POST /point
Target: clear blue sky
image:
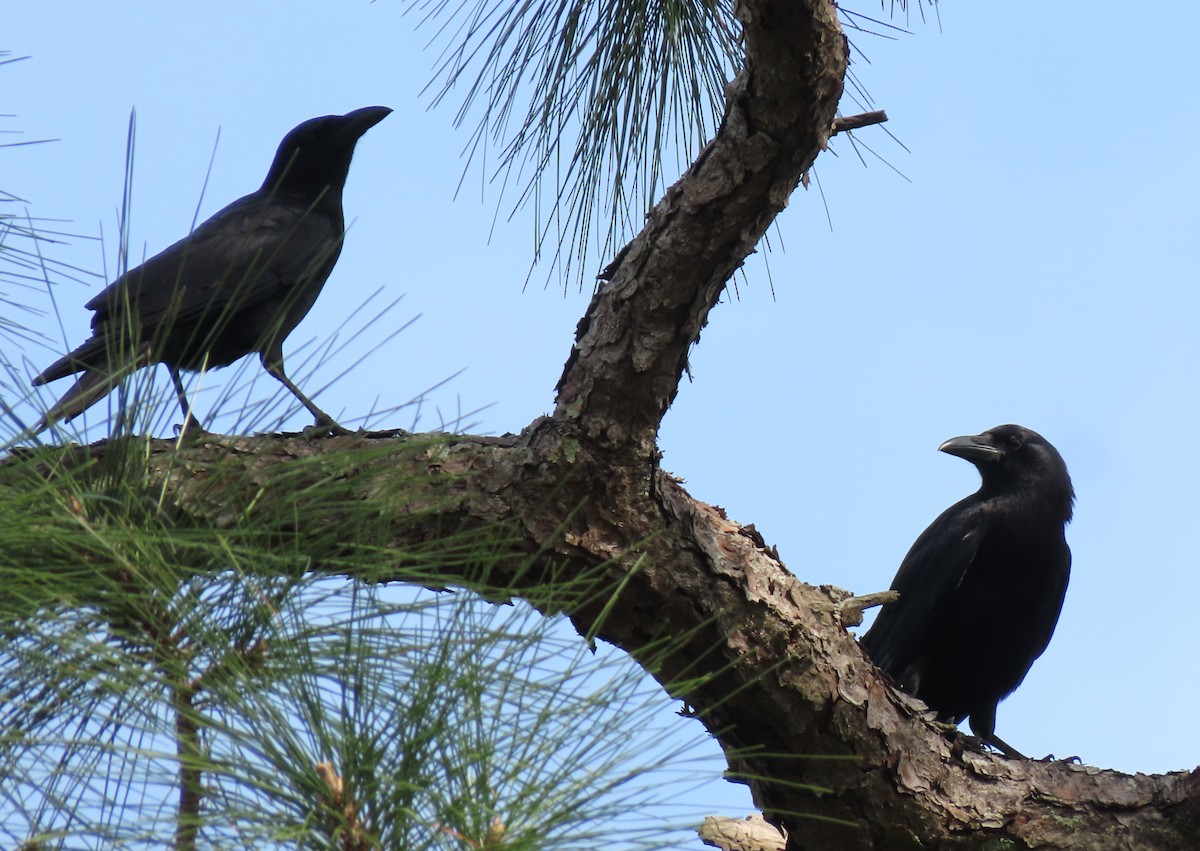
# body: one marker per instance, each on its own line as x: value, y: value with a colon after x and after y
x: 1034, y: 268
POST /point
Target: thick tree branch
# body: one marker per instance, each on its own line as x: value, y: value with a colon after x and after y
x: 777, y: 678
x: 631, y: 347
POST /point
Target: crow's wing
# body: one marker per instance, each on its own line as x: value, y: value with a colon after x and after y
x: 242, y: 255
x: 1045, y: 607
x: 935, y: 565
x: 245, y: 254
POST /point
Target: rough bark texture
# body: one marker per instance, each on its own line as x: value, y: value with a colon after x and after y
x: 784, y: 678
x: 781, y: 680
x: 631, y: 346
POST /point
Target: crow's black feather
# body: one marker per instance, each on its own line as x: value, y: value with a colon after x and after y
x: 981, y: 589
x: 239, y: 283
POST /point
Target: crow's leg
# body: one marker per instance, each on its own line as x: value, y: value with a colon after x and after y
x: 273, y: 363
x: 191, y: 425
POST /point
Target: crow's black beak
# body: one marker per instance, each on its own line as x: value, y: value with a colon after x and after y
x: 974, y: 448
x: 361, y: 120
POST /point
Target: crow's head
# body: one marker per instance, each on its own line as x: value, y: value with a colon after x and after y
x: 314, y: 158
x: 1012, y: 458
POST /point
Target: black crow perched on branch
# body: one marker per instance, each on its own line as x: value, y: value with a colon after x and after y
x: 982, y: 587
x: 239, y: 283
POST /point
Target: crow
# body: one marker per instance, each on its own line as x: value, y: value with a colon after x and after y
x: 239, y: 283
x: 982, y: 587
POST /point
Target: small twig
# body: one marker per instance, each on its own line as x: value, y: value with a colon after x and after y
x: 853, y: 122
x: 493, y: 838
x: 353, y: 833
x: 850, y: 610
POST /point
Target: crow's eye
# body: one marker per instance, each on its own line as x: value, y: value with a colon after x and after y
x: 1014, y: 442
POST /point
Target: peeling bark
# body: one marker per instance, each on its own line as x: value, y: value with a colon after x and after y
x: 781, y: 683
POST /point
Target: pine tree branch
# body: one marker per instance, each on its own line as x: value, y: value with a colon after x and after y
x: 631, y: 348
x: 771, y: 669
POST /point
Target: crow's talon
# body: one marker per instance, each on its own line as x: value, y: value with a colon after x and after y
x: 1074, y: 760
x: 325, y: 428
x: 190, y: 430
